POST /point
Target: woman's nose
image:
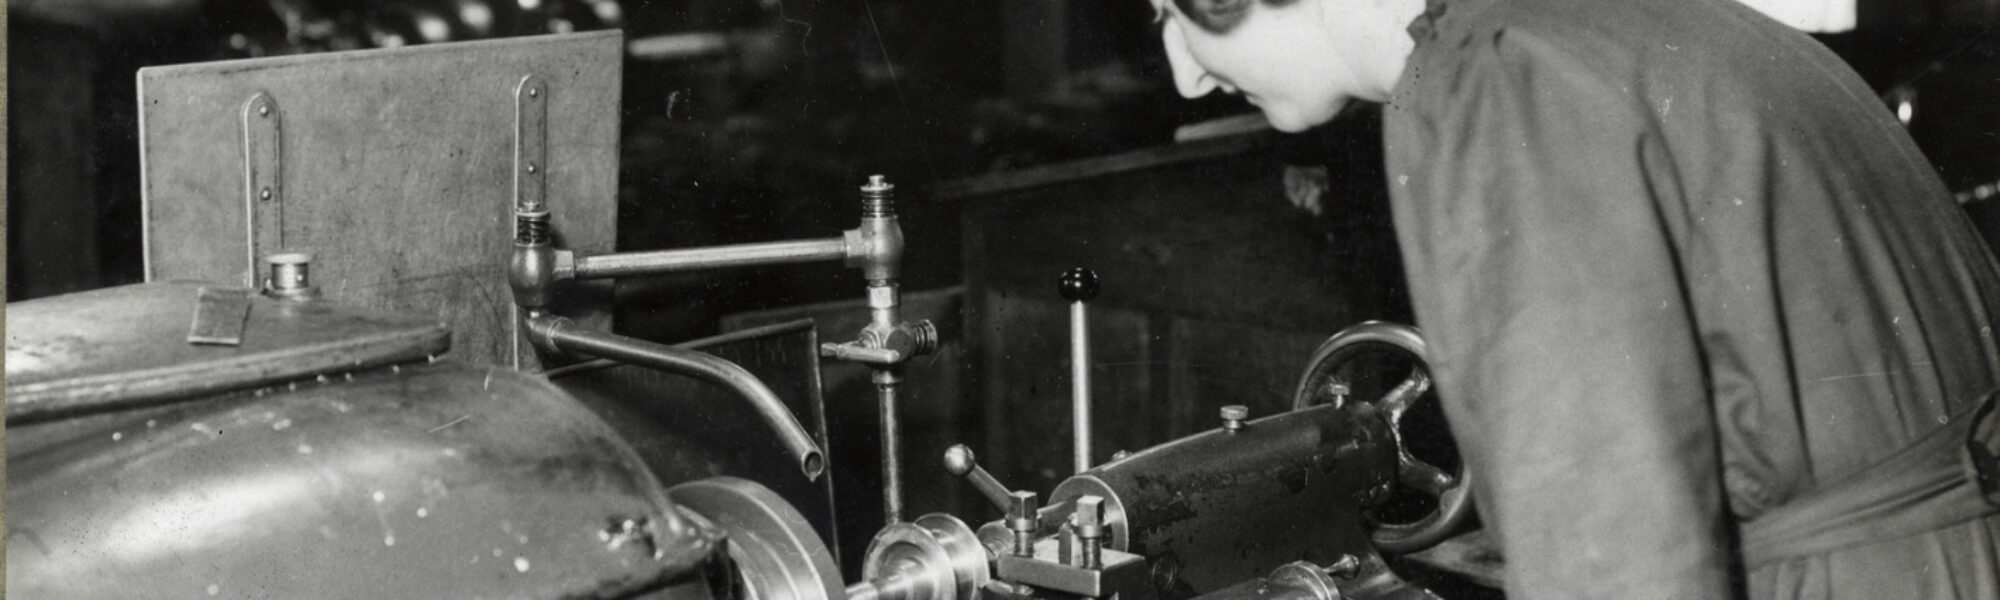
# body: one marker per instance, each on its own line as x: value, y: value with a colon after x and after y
x: 1192, y: 80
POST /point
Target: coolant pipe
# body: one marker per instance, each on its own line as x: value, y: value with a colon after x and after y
x: 562, y: 334
x: 627, y: 264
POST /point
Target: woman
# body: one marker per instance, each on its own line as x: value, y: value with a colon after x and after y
x: 1706, y: 323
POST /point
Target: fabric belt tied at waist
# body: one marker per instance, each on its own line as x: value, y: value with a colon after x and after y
x: 1948, y: 477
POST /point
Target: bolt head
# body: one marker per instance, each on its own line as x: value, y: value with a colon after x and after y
x: 958, y: 460
x: 1235, y: 412
x: 1089, y: 513
x: 1022, y: 506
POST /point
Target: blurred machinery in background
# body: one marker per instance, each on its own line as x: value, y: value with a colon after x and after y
x: 262, y: 421
x: 275, y: 27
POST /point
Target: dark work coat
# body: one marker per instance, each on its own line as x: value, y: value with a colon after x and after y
x: 1682, y: 272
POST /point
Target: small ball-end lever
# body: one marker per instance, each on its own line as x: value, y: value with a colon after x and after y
x: 1078, y: 286
x: 958, y: 461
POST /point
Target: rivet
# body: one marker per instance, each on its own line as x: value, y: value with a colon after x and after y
x: 534, y: 92
x: 532, y: 168
x: 263, y: 110
x: 264, y: 194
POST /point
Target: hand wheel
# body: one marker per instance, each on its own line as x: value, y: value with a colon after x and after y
x: 1326, y: 380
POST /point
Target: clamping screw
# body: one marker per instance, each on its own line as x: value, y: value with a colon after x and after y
x: 1023, y: 518
x: 1090, y: 530
x: 1233, y: 417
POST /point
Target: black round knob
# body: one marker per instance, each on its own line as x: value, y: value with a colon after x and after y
x: 1078, y: 284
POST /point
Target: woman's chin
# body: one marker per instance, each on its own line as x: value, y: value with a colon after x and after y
x: 1287, y: 122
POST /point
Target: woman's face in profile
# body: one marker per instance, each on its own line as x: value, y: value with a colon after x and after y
x: 1286, y: 60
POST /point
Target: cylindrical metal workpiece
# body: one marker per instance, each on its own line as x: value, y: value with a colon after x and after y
x: 865, y: 590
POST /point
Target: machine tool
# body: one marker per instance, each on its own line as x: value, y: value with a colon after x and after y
x: 188, y: 439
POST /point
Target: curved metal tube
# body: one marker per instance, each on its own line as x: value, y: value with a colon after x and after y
x: 560, y: 333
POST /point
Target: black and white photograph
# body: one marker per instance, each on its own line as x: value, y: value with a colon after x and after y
x: 1001, y: 299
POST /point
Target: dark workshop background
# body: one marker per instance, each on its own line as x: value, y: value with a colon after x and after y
x: 765, y: 137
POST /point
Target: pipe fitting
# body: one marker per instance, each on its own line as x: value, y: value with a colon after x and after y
x: 907, y: 339
x: 876, y: 247
x: 542, y: 331
x: 531, y: 271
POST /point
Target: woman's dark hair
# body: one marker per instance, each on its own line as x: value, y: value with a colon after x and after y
x: 1220, y: 16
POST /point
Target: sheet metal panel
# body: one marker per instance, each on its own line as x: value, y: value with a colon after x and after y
x: 397, y: 170
x: 128, y: 346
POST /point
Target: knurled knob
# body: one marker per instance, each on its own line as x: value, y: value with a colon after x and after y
x: 1078, y: 285
x: 1234, y: 415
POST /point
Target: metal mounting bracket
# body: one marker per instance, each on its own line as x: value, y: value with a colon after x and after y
x: 531, y: 160
x: 531, y: 170
x: 263, y: 183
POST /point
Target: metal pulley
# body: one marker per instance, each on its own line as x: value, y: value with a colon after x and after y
x: 775, y: 551
x: 936, y: 557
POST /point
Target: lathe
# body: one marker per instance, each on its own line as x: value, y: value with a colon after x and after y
x: 283, y: 435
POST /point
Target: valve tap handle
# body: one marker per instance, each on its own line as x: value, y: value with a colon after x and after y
x: 958, y: 460
x: 1078, y: 286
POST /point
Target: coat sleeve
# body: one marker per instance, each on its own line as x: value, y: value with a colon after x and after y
x: 1544, y: 271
